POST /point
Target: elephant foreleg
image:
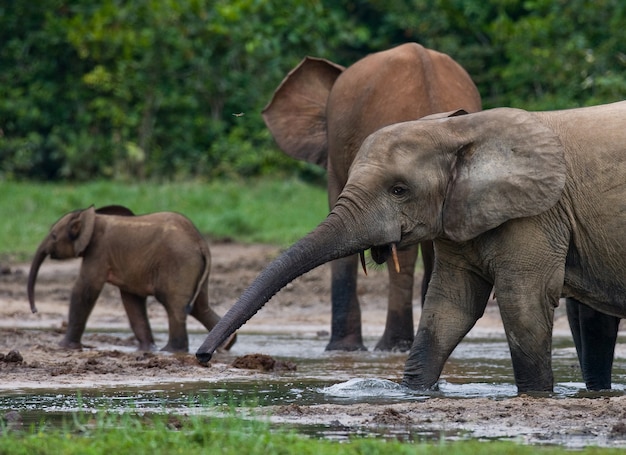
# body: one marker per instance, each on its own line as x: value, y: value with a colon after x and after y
x: 346, y: 314
x: 399, y: 331
x: 137, y: 313
x: 527, y: 314
x: 595, y: 335
x: 446, y: 318
x: 82, y: 301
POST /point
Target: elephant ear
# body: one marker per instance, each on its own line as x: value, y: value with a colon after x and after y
x: 508, y: 165
x: 80, y: 229
x: 118, y: 210
x: 296, y: 115
x: 448, y: 114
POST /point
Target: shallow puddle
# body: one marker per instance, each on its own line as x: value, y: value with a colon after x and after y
x: 479, y: 367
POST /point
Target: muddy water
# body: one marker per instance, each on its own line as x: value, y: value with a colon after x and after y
x: 479, y: 367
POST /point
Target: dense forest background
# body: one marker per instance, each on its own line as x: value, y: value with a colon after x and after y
x: 154, y: 89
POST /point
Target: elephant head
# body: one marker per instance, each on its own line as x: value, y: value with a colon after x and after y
x: 451, y: 177
x: 68, y: 238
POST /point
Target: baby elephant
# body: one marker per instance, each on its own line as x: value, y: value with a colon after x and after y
x: 160, y: 254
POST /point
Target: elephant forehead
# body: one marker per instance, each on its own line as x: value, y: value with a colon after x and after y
x: 398, y: 145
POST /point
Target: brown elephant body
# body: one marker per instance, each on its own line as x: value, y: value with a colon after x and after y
x: 531, y: 204
x: 158, y: 254
x: 322, y: 112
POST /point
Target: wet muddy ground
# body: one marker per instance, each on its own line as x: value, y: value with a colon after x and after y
x: 278, y: 368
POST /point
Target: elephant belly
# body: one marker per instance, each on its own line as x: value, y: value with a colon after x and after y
x: 599, y: 292
x: 131, y: 286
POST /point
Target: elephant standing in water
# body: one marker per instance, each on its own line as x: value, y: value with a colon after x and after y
x: 160, y: 254
x: 322, y: 112
x: 532, y: 204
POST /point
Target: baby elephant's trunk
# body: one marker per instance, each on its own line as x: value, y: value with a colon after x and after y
x: 40, y: 255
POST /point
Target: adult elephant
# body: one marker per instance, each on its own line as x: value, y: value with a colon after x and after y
x: 531, y: 204
x: 322, y: 112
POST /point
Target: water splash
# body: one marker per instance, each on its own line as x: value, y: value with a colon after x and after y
x: 367, y: 388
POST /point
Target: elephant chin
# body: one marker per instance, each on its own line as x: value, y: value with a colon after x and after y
x: 380, y: 254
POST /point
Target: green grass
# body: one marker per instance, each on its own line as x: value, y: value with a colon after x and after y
x: 161, y: 434
x: 266, y: 211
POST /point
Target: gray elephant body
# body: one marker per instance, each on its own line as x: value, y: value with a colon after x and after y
x: 159, y: 254
x: 531, y: 204
x: 322, y: 112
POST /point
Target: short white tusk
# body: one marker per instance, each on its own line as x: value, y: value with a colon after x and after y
x: 394, y: 255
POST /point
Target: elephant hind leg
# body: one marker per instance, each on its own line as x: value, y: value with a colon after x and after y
x: 595, y: 335
x: 208, y: 318
x: 136, y: 311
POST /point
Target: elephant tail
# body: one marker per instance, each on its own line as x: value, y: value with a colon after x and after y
x: 204, y: 278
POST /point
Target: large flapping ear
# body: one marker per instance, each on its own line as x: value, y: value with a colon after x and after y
x: 296, y: 115
x: 81, y: 229
x: 508, y: 165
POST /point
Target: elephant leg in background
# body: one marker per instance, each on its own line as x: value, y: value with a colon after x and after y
x: 82, y: 300
x: 595, y: 335
x: 137, y: 313
x: 346, y: 313
x: 399, y: 331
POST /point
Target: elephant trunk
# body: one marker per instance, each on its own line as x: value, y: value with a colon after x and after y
x: 332, y: 239
x: 40, y: 256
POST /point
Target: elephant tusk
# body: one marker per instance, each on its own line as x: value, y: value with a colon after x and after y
x: 394, y: 255
x: 362, y: 256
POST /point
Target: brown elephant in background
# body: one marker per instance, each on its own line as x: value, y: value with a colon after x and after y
x: 322, y: 112
x: 158, y: 254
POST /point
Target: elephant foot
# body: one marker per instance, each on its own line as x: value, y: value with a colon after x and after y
x: 146, y: 347
x: 346, y: 344
x: 75, y: 345
x: 175, y: 349
x: 397, y: 345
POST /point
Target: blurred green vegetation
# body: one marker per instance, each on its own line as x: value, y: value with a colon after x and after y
x: 155, y: 434
x: 263, y: 210
x: 149, y: 89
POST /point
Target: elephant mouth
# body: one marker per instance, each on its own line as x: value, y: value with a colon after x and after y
x: 381, y: 254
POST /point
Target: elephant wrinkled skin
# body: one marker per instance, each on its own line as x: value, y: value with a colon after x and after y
x: 322, y: 112
x: 158, y: 254
x: 532, y: 204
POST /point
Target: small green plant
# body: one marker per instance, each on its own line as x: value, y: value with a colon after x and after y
x: 156, y: 434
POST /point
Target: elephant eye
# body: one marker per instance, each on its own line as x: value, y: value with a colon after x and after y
x: 399, y: 190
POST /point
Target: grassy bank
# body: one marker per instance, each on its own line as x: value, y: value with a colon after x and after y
x: 267, y: 211
x: 162, y: 434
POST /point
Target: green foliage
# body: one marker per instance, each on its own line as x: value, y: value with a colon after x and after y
x: 127, y: 90
x: 153, y: 88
